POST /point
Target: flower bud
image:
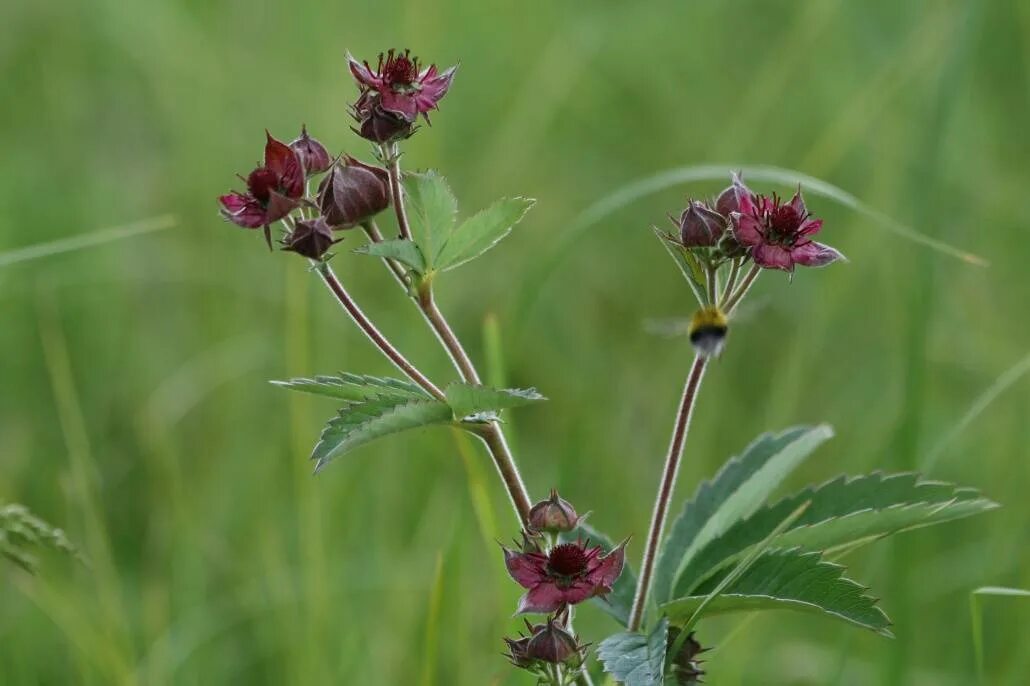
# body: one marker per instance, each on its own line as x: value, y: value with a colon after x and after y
x: 550, y: 643
x: 700, y: 226
x: 353, y: 192
x: 310, y: 238
x: 380, y: 126
x: 312, y: 154
x: 729, y: 199
x: 553, y: 515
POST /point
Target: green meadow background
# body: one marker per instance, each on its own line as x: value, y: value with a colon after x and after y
x: 134, y: 405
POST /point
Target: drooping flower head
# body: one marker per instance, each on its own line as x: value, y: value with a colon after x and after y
x: 570, y: 573
x: 779, y: 234
x: 274, y: 189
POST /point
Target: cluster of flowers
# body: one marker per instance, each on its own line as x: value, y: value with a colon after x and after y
x: 391, y: 98
x: 557, y: 575
x: 740, y: 222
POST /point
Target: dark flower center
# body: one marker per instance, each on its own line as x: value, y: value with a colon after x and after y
x: 783, y: 223
x: 261, y: 182
x: 400, y: 70
x: 567, y: 559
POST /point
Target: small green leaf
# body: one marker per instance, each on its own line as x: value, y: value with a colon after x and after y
x: 368, y: 420
x: 432, y: 209
x: 466, y: 399
x: 619, y: 602
x: 479, y: 233
x: 843, y: 512
x: 20, y: 531
x: 404, y: 251
x: 355, y: 387
x: 740, y: 488
x: 792, y: 580
x: 691, y: 267
x: 634, y: 659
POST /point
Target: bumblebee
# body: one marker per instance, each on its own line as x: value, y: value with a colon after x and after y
x: 707, y: 331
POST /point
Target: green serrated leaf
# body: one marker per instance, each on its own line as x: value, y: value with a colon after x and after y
x: 740, y: 488
x: 842, y: 512
x: 619, y: 602
x: 355, y: 387
x: 691, y: 267
x: 482, y: 231
x: 432, y: 209
x: 365, y: 421
x: 634, y: 659
x: 466, y: 399
x: 792, y: 580
x: 404, y: 251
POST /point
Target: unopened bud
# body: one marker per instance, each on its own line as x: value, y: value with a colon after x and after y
x: 310, y: 238
x: 700, y: 226
x: 553, y: 515
x: 353, y: 192
x: 313, y: 154
x: 550, y: 643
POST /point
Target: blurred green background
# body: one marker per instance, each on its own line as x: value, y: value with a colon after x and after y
x: 134, y: 408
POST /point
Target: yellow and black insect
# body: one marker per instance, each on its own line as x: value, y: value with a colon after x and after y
x: 707, y: 330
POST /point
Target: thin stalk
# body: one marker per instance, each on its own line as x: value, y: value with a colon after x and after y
x: 368, y: 328
x: 713, y: 284
x: 742, y: 290
x: 493, y: 437
x: 392, y: 157
x: 731, y: 282
x: 444, y: 332
x: 665, y: 489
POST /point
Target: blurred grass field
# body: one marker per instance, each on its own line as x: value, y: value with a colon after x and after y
x: 134, y: 408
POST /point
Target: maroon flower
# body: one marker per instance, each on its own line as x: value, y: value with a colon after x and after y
x: 273, y: 190
x: 312, y: 153
x: 779, y: 234
x: 352, y: 192
x: 310, y: 238
x: 398, y: 86
x: 569, y: 574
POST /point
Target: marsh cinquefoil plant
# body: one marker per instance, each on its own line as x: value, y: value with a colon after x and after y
x: 729, y: 549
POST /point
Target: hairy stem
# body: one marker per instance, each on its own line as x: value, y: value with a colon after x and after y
x: 392, y: 156
x: 742, y: 290
x: 491, y: 433
x: 665, y: 489
x: 370, y: 330
x: 731, y: 281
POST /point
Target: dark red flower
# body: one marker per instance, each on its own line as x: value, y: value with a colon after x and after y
x: 352, y: 192
x: 311, y: 238
x: 553, y: 515
x: 273, y: 190
x: 312, y: 153
x: 398, y: 86
x: 569, y: 574
x: 778, y: 234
